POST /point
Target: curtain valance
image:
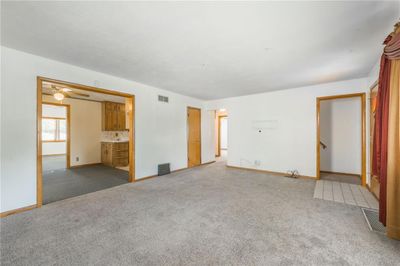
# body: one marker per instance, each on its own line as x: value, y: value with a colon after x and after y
x: 392, y: 42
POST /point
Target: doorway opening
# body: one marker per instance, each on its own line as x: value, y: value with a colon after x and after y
x: 341, y: 139
x: 55, y: 137
x: 194, y: 136
x: 221, y: 134
x: 223, y: 137
x: 85, y: 139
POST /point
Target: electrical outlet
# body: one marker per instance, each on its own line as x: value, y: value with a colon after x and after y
x: 77, y: 158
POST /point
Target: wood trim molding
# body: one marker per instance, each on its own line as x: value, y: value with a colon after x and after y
x: 84, y: 87
x: 49, y: 155
x: 174, y: 171
x: 363, y: 141
x: 131, y: 126
x: 39, y: 177
x: 318, y: 148
x: 39, y: 102
x: 83, y: 165
x: 268, y: 171
x: 371, y: 123
x: 146, y: 177
x: 363, y: 131
x: 210, y: 162
x: 10, y: 212
x: 340, y: 96
x: 55, y: 118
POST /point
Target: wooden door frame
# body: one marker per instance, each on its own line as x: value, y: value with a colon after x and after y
x: 375, y: 85
x: 68, y: 140
x: 187, y: 130
x: 39, y: 82
x: 373, y: 180
x: 363, y: 132
x: 219, y: 134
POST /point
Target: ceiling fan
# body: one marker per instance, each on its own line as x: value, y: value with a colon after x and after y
x: 59, y: 93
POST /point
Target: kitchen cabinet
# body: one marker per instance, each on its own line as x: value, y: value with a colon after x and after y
x: 113, y: 116
x: 115, y: 153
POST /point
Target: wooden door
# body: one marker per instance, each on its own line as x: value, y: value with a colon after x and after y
x: 194, y: 136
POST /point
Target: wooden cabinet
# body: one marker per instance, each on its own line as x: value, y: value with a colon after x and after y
x: 115, y: 153
x: 106, y: 153
x: 113, y: 116
x: 121, y: 122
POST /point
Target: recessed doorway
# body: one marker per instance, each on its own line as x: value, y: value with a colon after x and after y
x: 55, y: 136
x: 341, y: 138
x: 221, y: 134
x: 85, y: 139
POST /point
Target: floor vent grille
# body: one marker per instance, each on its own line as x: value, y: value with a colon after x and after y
x: 372, y: 217
x: 163, y: 169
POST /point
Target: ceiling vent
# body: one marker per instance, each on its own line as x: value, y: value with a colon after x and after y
x: 162, y: 98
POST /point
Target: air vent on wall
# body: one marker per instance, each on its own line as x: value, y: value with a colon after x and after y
x: 162, y: 98
x: 163, y: 169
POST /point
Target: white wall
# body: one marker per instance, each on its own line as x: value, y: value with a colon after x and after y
x: 85, y: 119
x: 56, y: 111
x: 290, y: 140
x: 373, y: 75
x: 340, y: 129
x: 160, y: 128
x: 224, y: 133
x: 54, y: 148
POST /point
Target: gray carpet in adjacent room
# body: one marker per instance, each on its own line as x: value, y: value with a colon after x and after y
x: 64, y: 183
x: 53, y: 162
x: 210, y: 215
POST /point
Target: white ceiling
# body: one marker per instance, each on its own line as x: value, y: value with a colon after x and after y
x: 207, y: 50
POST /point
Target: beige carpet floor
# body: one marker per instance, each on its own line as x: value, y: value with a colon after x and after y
x: 209, y: 215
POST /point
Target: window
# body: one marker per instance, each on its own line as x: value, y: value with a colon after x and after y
x: 54, y: 129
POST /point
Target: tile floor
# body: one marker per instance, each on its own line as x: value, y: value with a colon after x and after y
x: 350, y: 194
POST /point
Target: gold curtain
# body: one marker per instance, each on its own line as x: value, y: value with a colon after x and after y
x: 393, y: 164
